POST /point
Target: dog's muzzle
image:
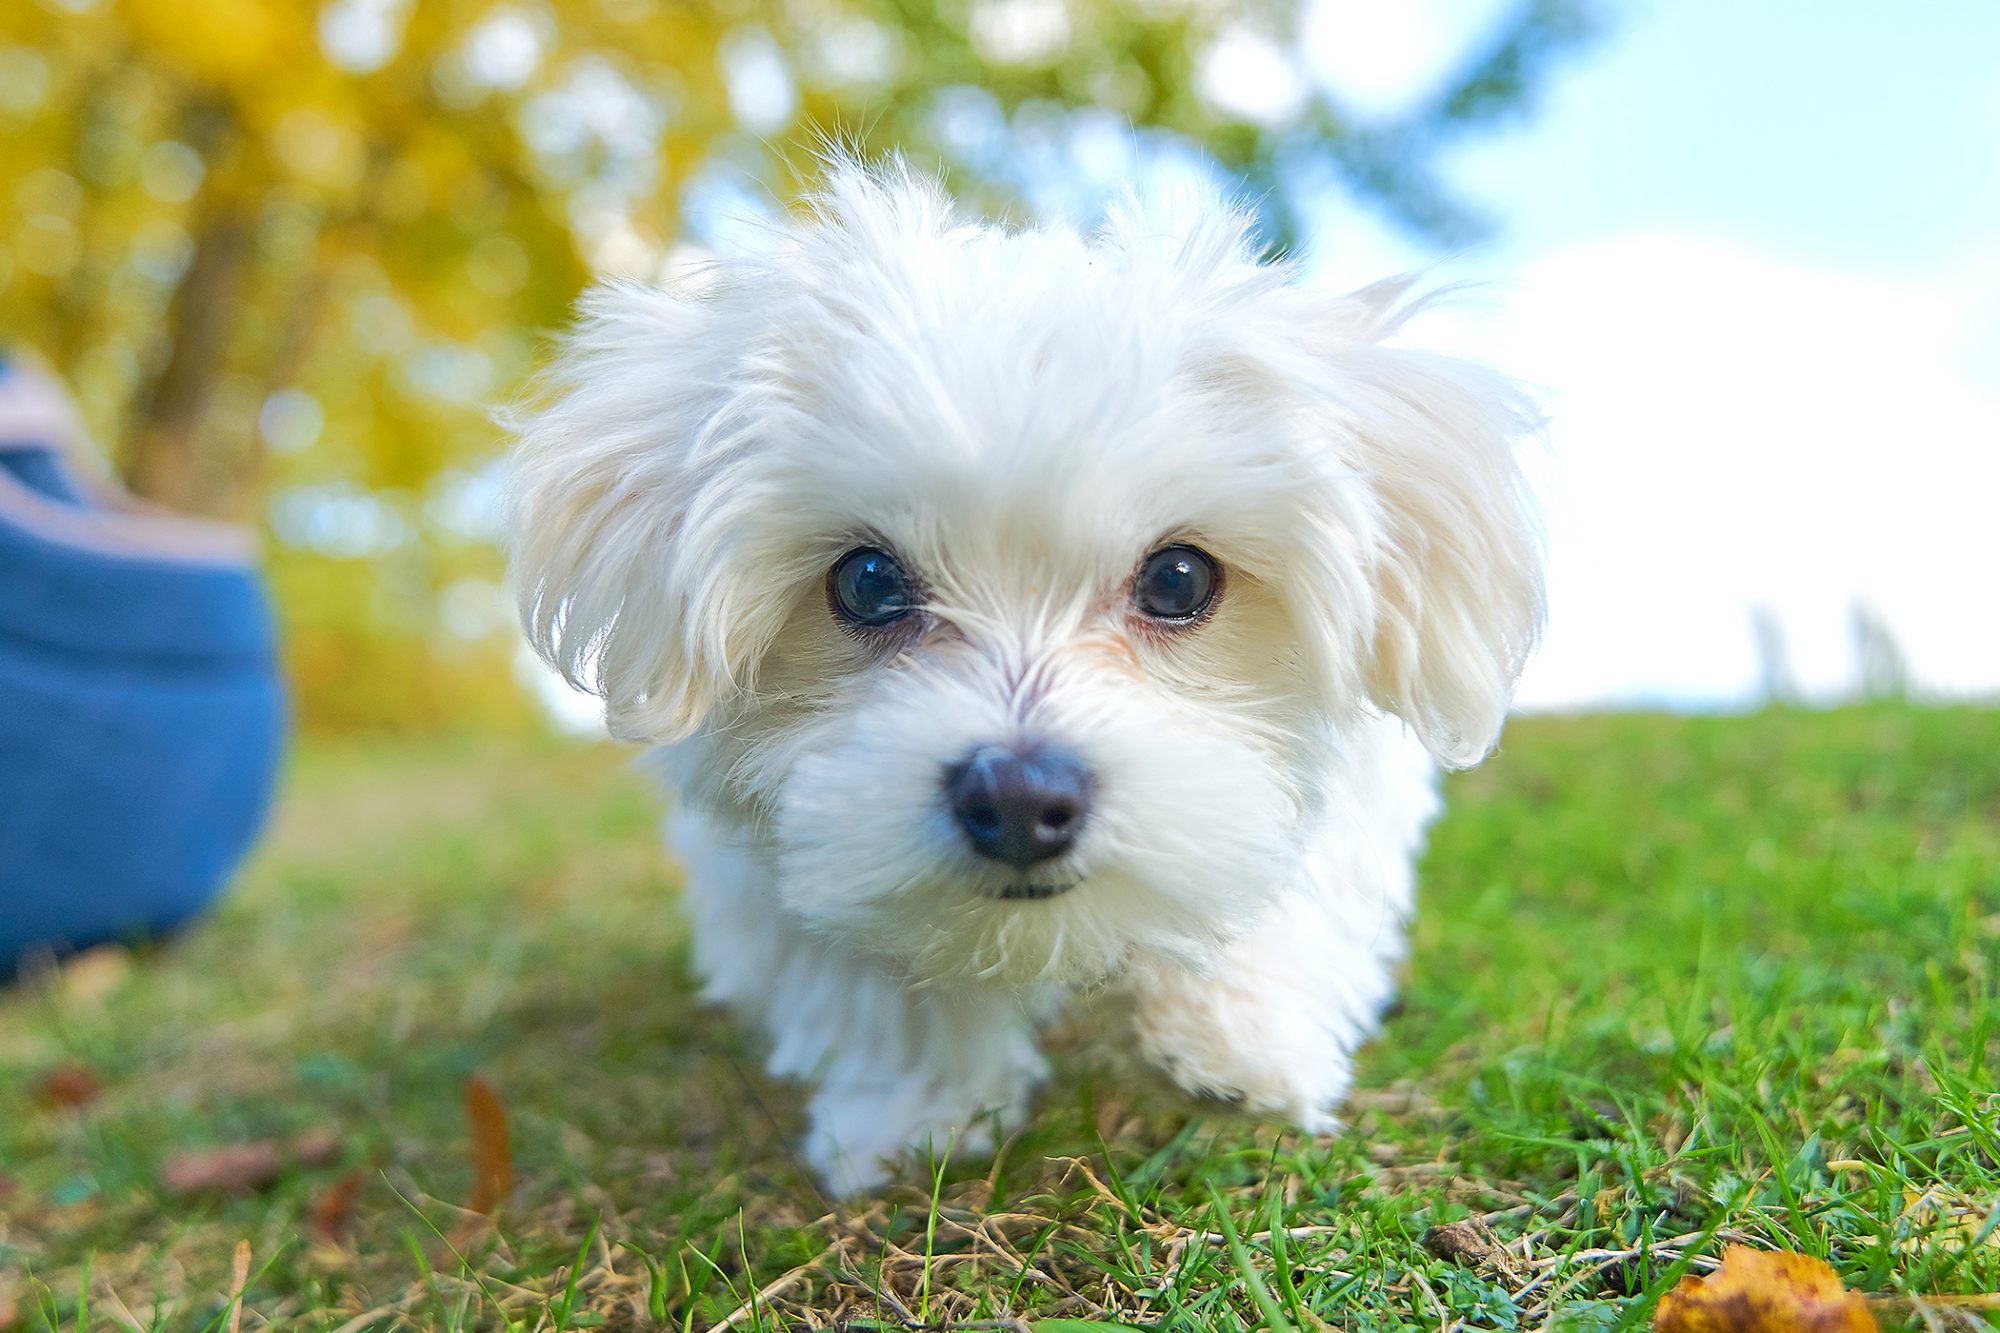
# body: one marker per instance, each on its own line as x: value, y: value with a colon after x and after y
x: 1019, y: 806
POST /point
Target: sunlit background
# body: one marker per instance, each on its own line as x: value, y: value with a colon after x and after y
x: 290, y: 256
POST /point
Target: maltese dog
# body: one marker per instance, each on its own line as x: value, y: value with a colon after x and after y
x: 1024, y: 612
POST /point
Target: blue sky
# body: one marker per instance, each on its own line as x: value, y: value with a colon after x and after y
x: 1849, y: 133
x: 1751, y: 252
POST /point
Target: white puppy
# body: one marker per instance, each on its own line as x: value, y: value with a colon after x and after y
x: 1021, y: 611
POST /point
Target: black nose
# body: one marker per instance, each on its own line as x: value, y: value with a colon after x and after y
x: 1020, y: 807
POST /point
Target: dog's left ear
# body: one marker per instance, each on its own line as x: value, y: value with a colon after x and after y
x: 1456, y: 565
x: 629, y: 537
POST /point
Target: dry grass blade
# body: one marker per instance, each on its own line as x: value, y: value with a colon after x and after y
x: 239, y: 1278
x: 492, y: 1155
x: 763, y: 1296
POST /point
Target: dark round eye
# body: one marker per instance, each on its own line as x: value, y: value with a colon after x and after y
x: 868, y: 587
x: 1176, y: 583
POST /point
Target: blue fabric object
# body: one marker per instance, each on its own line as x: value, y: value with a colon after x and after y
x: 141, y: 723
x: 42, y: 472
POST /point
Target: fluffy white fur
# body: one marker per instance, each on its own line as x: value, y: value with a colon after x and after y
x: 1022, y: 416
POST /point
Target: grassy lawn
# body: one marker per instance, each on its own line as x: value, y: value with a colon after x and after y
x: 1677, y: 983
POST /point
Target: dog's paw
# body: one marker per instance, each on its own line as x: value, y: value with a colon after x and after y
x: 860, y: 1141
x: 865, y: 1163
x: 847, y: 1169
x: 1286, y: 1064
x: 1307, y: 1097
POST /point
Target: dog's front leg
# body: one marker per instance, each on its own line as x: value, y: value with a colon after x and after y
x: 1274, y: 1024
x: 930, y: 1070
x: 898, y: 1067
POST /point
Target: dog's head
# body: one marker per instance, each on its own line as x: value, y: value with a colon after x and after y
x: 1019, y: 587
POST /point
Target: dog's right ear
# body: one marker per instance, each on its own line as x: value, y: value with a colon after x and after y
x: 625, y: 575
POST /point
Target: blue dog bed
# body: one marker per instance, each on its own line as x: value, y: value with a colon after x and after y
x: 141, y: 713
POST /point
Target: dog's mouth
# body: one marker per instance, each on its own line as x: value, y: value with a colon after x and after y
x: 1028, y: 891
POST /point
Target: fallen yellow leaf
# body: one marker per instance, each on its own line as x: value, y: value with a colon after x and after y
x: 1764, y: 1291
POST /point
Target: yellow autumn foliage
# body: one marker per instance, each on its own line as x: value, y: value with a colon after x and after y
x: 232, y: 46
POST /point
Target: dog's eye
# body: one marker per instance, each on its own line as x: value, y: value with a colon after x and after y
x: 1177, y: 584
x: 868, y: 587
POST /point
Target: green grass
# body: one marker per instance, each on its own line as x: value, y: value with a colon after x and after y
x: 1677, y: 982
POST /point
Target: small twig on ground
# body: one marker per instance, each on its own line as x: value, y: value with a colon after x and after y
x: 1289, y: 1233
x: 902, y: 1311
x: 947, y: 1325
x: 764, y: 1294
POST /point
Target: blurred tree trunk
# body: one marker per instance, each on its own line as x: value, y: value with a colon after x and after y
x: 165, y: 459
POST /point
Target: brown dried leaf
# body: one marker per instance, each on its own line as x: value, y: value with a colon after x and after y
x: 1462, y: 1242
x: 492, y: 1159
x: 1764, y: 1291
x: 237, y: 1168
x: 241, y: 1168
x: 333, y: 1210
x: 73, y: 1085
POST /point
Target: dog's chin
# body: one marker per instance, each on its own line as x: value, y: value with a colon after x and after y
x: 1066, y: 928
x: 1033, y: 890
